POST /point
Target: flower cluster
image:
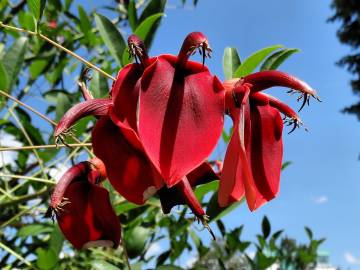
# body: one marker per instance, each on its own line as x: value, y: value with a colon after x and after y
x: 155, y: 132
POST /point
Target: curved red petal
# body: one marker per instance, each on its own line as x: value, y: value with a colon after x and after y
x: 277, y: 104
x: 128, y: 169
x: 96, y: 107
x: 89, y: 218
x: 266, y: 150
x: 270, y: 78
x: 180, y: 117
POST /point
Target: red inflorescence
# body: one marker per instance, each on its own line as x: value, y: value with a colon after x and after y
x: 155, y: 132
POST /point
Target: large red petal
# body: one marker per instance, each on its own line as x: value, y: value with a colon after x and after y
x: 180, y: 116
x: 89, y: 218
x: 128, y: 170
x: 266, y: 149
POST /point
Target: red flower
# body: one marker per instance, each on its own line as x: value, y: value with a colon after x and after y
x: 253, y: 159
x: 82, y: 207
x: 117, y: 136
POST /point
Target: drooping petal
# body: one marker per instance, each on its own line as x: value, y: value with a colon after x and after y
x: 266, y: 150
x: 89, y: 219
x: 202, y: 174
x: 180, y: 116
x: 128, y: 169
x: 96, y: 107
x: 170, y: 197
x: 236, y: 177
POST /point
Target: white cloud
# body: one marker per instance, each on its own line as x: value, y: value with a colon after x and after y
x: 321, y: 199
x: 190, y: 261
x: 58, y: 171
x: 351, y: 259
x: 8, y: 157
x: 153, y: 250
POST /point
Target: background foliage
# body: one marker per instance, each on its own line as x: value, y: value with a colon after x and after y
x: 45, y: 77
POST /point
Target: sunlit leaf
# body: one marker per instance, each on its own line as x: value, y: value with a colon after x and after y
x: 13, y: 60
x: 276, y: 59
x: 250, y: 63
x: 46, y: 259
x: 36, y: 7
x: 204, y: 189
x: 231, y: 62
x: 111, y: 36
x: 132, y: 15
x: 146, y: 28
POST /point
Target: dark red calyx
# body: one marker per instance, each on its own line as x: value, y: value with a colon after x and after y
x: 95, y: 107
x: 237, y: 96
x: 194, y: 41
x: 138, y: 50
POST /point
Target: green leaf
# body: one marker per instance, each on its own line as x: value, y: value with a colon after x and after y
x: 4, y: 79
x: 33, y: 230
x: 112, y: 38
x: 285, y: 165
x: 37, y: 67
x: 99, y: 85
x: 36, y: 7
x: 309, y: 233
x: 56, y: 240
x: 204, y: 189
x: 13, y: 61
x: 231, y: 62
x: 101, y: 265
x: 124, y: 207
x: 46, y: 259
x: 215, y: 212
x: 132, y: 16
x: 250, y: 63
x: 135, y: 240
x: 265, y: 227
x: 154, y: 6
x: 85, y: 24
x: 26, y: 21
x: 276, y: 59
x: 145, y: 29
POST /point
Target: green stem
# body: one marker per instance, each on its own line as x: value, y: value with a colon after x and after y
x: 47, y: 146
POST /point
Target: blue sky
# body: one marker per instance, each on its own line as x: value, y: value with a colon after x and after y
x: 321, y: 188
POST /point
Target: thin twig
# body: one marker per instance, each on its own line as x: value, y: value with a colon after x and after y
x: 47, y: 146
x: 16, y: 255
x: 28, y: 107
x: 35, y: 179
x: 78, y: 57
x: 23, y: 130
